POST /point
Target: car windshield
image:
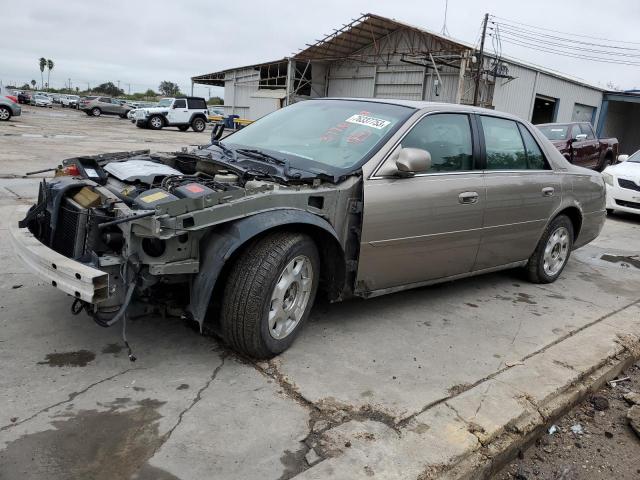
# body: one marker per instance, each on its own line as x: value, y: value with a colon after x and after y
x: 554, y: 132
x: 331, y: 136
x: 635, y: 158
x: 165, y: 102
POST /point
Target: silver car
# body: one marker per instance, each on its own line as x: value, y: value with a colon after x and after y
x: 9, y: 106
x: 350, y: 197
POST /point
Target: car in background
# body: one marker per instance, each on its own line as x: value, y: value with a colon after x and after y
x: 181, y: 112
x: 96, y: 106
x: 623, y: 184
x: 40, y: 100
x: 9, y: 106
x: 578, y: 143
x: 137, y: 106
x: 216, y: 111
x: 24, y: 98
x: 70, y: 101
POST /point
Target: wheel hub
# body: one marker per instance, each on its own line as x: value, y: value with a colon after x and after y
x: 556, y: 251
x: 290, y: 297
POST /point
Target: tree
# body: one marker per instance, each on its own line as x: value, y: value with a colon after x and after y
x: 50, y: 66
x: 150, y: 93
x: 109, y: 88
x: 33, y: 83
x: 77, y: 89
x: 169, y: 89
x: 43, y: 64
x: 215, y: 101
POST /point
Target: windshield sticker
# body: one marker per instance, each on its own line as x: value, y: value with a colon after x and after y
x: 368, y: 121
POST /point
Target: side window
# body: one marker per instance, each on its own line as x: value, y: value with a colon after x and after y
x: 196, y: 103
x: 180, y: 103
x: 505, y: 150
x: 447, y: 137
x: 105, y: 99
x: 535, y: 158
x: 586, y: 129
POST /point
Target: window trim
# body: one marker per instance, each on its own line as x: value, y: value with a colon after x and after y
x: 519, y: 125
x: 475, y: 148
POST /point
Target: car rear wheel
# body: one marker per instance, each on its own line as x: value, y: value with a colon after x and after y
x: 5, y: 113
x: 96, y: 112
x: 269, y: 294
x: 553, y: 251
x: 183, y: 128
x: 155, y: 122
x: 123, y: 115
x: 198, y: 125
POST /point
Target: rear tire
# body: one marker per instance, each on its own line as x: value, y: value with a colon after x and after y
x: 5, y: 114
x: 269, y: 294
x: 155, y: 122
x: 553, y: 251
x: 96, y: 112
x: 198, y: 125
x: 606, y: 161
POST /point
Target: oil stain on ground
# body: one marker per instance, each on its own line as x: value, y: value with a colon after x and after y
x: 99, y: 445
x: 69, y: 359
x: 113, y: 348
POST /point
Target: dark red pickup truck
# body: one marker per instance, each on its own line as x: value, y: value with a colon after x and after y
x: 578, y: 143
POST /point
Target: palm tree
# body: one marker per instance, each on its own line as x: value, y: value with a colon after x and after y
x: 43, y: 64
x: 50, y: 66
x: 33, y: 83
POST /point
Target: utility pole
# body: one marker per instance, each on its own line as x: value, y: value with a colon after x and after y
x: 480, y: 60
x: 69, y: 84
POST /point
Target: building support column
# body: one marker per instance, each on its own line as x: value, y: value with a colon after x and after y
x: 533, y: 96
x: 461, y: 73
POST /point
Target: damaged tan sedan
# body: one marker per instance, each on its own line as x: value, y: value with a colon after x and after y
x: 348, y: 197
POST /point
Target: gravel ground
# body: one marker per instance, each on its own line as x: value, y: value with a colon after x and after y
x: 607, y: 449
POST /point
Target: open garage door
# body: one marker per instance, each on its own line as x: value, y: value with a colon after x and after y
x: 544, y: 110
x: 620, y: 118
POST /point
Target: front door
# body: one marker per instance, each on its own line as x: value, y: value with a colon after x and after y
x: 426, y: 226
x: 522, y: 193
x: 179, y: 113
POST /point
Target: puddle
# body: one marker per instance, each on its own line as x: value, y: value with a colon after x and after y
x: 97, y: 445
x: 624, y: 260
x: 69, y: 359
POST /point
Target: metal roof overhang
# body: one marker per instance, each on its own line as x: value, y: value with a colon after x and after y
x: 217, y: 78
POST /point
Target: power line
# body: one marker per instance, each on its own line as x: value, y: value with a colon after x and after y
x: 565, y: 33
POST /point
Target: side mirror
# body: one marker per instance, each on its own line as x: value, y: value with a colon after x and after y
x: 174, y: 106
x: 413, y: 160
x: 623, y: 158
x: 581, y: 137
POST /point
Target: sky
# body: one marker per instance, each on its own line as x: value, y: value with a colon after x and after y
x: 140, y: 43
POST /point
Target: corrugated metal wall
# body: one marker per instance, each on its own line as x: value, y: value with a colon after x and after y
x: 239, y: 85
x: 621, y: 122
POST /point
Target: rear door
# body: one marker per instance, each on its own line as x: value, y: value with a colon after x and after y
x: 522, y: 192
x: 427, y: 226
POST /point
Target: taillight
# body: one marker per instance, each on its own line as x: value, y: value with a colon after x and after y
x: 12, y: 98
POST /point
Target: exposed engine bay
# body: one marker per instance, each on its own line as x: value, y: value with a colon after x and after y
x: 147, y: 220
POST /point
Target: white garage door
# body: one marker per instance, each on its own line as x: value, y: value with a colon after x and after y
x: 582, y: 113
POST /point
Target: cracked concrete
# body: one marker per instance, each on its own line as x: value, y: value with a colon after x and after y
x: 439, y: 382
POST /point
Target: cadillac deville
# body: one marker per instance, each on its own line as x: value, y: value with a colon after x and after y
x: 347, y: 197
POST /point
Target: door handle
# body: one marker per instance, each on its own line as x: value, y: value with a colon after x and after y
x: 468, y: 197
x: 548, y: 191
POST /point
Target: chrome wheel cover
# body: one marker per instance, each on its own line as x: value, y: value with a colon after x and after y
x: 4, y: 114
x: 290, y: 297
x: 556, y: 251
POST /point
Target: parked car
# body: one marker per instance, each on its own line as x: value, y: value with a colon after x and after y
x: 24, y: 98
x: 96, y: 106
x: 217, y: 111
x: 623, y: 184
x: 9, y: 106
x: 578, y: 143
x: 353, y: 197
x: 70, y: 101
x: 40, y: 100
x: 132, y: 113
x: 182, y: 112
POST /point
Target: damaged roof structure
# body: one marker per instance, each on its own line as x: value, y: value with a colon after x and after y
x: 378, y: 57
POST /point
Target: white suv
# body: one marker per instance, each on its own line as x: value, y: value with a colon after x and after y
x: 182, y: 112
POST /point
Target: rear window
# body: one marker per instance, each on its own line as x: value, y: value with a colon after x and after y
x: 197, y: 103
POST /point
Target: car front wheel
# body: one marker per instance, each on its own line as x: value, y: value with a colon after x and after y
x: 5, y: 113
x: 96, y: 112
x: 553, y: 251
x: 269, y: 294
x: 198, y: 125
x: 155, y: 122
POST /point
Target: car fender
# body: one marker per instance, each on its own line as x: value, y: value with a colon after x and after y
x: 219, y: 245
x: 196, y: 115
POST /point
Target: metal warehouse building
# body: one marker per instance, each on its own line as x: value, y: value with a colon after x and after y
x: 374, y: 56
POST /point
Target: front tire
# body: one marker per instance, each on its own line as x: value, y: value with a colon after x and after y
x: 96, y: 112
x: 553, y: 251
x: 269, y: 294
x: 198, y: 125
x: 5, y: 114
x: 155, y: 122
